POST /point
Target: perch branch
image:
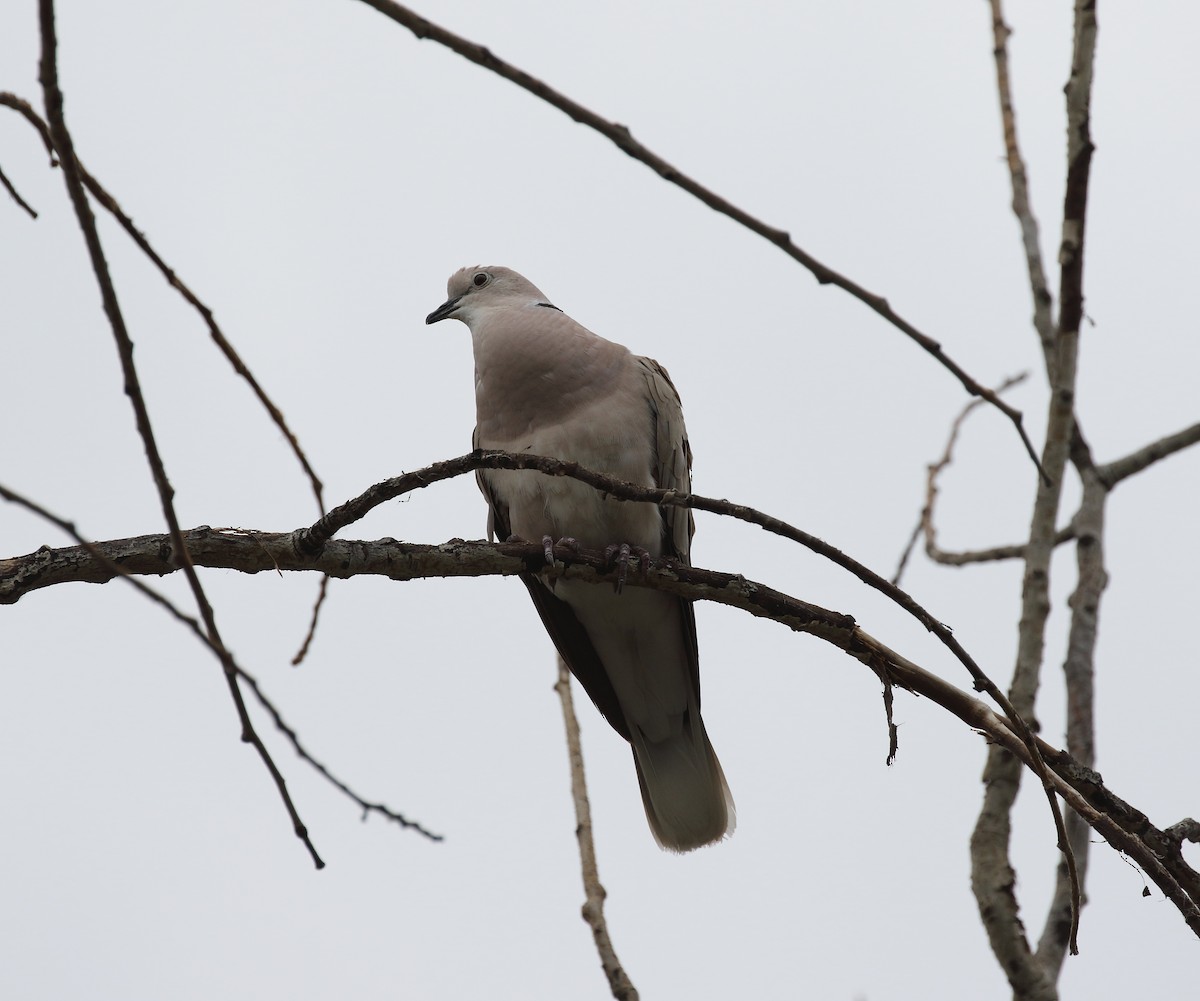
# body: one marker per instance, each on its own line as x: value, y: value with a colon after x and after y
x: 311, y: 540
x: 1126, y: 828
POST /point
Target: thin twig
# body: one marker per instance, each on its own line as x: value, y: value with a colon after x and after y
x: 15, y: 195
x: 925, y: 522
x: 294, y: 739
x: 112, y: 568
x: 623, y: 139
x: 593, y: 891
x: 322, y: 591
x: 1043, y: 322
x: 110, y: 203
x: 1110, y: 474
x: 63, y: 144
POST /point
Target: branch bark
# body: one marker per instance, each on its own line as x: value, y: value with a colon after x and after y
x: 992, y: 877
x: 63, y: 144
x: 110, y: 204
x: 594, y: 893
x: 1125, y: 827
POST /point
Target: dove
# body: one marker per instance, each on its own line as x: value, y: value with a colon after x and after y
x: 546, y: 385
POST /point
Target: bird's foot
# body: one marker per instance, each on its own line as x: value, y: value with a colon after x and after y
x: 618, y: 555
x: 570, y: 543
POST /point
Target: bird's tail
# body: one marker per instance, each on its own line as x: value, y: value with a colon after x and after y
x: 687, y: 800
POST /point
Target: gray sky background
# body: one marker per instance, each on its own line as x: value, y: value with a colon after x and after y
x: 315, y: 174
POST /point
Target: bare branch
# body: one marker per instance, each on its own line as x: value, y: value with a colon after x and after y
x: 15, y: 195
x: 294, y: 739
x: 925, y: 520
x: 87, y: 223
x: 322, y: 591
x: 1186, y: 830
x: 594, y: 893
x: 108, y: 560
x: 1042, y: 321
x: 312, y: 540
x: 997, y: 554
x: 992, y: 877
x: 1114, y: 472
x: 623, y: 139
x: 101, y: 195
x: 253, y: 552
x: 1079, y: 675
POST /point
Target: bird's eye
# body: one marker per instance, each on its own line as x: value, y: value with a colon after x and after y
x: 481, y: 278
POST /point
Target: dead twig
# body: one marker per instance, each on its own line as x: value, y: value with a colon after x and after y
x: 593, y: 891
x: 925, y: 522
x: 64, y: 146
x: 15, y: 195
x: 110, y: 204
x: 1043, y: 322
x: 112, y: 565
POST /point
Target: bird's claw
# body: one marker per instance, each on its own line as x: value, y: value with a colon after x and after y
x: 618, y: 554
x: 548, y: 545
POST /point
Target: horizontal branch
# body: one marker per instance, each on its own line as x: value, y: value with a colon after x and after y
x: 1012, y: 551
x: 254, y: 552
x: 311, y: 540
x: 1114, y: 472
x: 1109, y: 475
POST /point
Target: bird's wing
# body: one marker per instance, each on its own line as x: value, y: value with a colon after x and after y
x: 672, y: 469
x: 568, y: 635
x: 671, y: 463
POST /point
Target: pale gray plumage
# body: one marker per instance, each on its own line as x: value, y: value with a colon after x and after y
x: 548, y: 386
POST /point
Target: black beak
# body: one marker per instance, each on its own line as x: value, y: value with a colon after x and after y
x: 447, y: 308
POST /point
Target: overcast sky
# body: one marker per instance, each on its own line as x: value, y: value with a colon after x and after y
x: 315, y: 173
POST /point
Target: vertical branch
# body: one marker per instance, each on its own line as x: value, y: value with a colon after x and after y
x: 593, y: 906
x: 48, y: 75
x: 1079, y: 673
x: 1042, y: 321
x: 992, y: 877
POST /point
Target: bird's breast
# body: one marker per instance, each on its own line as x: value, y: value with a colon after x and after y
x: 610, y: 435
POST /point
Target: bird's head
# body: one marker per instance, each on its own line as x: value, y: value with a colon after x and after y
x: 471, y: 290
